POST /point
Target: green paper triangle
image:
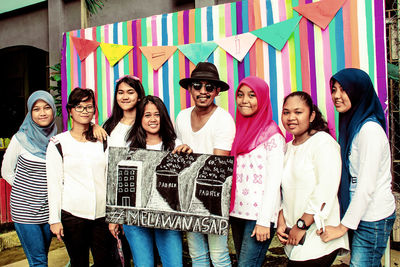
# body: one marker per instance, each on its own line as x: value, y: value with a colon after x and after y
x: 198, y: 52
x: 277, y: 34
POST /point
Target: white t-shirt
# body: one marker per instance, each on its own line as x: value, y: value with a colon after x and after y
x: 311, y: 177
x: 77, y: 182
x: 370, y: 165
x: 118, y: 135
x: 217, y: 133
x: 258, y: 179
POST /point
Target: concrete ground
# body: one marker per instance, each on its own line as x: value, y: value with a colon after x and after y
x: 11, y: 254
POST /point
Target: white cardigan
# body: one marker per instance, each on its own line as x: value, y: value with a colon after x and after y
x: 370, y: 164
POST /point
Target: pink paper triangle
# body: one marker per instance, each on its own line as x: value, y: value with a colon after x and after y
x: 238, y: 45
x: 320, y: 13
x: 84, y: 47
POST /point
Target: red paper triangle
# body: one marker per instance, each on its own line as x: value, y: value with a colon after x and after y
x: 320, y: 13
x: 84, y: 47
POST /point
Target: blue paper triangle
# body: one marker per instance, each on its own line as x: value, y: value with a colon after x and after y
x: 277, y: 34
x: 198, y: 52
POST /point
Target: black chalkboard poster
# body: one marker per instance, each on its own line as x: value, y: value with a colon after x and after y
x: 158, y: 189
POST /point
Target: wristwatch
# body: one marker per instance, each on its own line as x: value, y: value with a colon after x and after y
x: 301, y: 224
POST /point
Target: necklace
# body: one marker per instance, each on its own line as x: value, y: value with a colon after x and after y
x: 79, y: 138
x: 296, y: 143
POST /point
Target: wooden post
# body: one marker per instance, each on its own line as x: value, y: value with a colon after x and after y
x: 84, y: 15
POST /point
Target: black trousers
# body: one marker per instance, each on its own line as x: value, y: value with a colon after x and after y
x: 326, y: 260
x: 81, y: 234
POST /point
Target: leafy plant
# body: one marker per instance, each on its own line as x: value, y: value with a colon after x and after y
x: 94, y: 5
x: 55, y: 75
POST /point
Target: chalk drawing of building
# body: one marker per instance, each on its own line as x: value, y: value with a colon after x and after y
x: 129, y: 175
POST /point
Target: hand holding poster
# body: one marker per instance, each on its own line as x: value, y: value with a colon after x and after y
x: 158, y: 189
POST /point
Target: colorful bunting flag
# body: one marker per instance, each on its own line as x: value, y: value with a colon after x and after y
x: 320, y: 13
x: 157, y: 55
x: 238, y: 45
x: 198, y: 52
x: 114, y: 52
x: 84, y: 47
x: 277, y: 34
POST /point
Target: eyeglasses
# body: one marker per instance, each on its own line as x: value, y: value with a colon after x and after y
x: 80, y: 108
x: 209, y: 87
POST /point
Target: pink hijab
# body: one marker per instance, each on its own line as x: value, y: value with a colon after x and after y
x: 254, y: 130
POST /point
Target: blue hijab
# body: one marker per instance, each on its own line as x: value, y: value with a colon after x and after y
x: 31, y: 136
x: 365, y: 106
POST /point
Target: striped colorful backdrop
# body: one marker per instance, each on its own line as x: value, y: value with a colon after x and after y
x: 354, y: 38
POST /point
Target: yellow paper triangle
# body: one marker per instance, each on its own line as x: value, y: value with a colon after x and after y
x: 157, y: 55
x: 114, y: 52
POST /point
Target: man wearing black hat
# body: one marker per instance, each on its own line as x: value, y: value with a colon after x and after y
x: 208, y: 129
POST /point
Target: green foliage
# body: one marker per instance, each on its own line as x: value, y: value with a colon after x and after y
x: 94, y: 5
x: 55, y: 75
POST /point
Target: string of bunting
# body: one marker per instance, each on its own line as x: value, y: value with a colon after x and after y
x: 353, y: 37
x: 320, y: 13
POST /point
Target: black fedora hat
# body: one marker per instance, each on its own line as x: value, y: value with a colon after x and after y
x: 205, y: 71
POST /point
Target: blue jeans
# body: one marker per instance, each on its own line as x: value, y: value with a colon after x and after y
x: 141, y: 240
x: 35, y: 240
x: 369, y: 242
x: 249, y: 251
x: 199, y: 249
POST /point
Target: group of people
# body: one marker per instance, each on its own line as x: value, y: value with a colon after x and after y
x: 320, y: 197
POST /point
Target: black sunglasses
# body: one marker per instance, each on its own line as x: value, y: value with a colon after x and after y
x: 209, y: 87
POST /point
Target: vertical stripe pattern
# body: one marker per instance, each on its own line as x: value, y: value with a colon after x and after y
x: 354, y: 38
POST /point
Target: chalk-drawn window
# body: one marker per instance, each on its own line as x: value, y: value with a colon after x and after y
x: 126, y: 201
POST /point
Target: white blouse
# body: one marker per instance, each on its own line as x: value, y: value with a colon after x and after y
x: 311, y: 177
x: 77, y: 182
x: 258, y: 180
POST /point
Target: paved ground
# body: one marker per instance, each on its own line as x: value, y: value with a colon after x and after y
x: 58, y: 257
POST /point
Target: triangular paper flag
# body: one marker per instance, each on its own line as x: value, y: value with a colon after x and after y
x: 84, y: 47
x: 277, y: 34
x: 238, y: 45
x: 114, y: 52
x: 198, y: 52
x: 320, y: 13
x: 157, y: 55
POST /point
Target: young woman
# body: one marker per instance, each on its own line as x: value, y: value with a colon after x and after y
x: 258, y: 149
x: 76, y: 173
x: 366, y: 200
x: 128, y: 93
x: 24, y: 168
x: 309, y: 185
x: 153, y: 129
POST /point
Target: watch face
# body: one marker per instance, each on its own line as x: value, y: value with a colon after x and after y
x: 300, y: 224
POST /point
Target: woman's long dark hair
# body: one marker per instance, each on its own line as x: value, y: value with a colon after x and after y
x: 77, y: 96
x: 117, y: 113
x: 319, y: 123
x: 137, y: 135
